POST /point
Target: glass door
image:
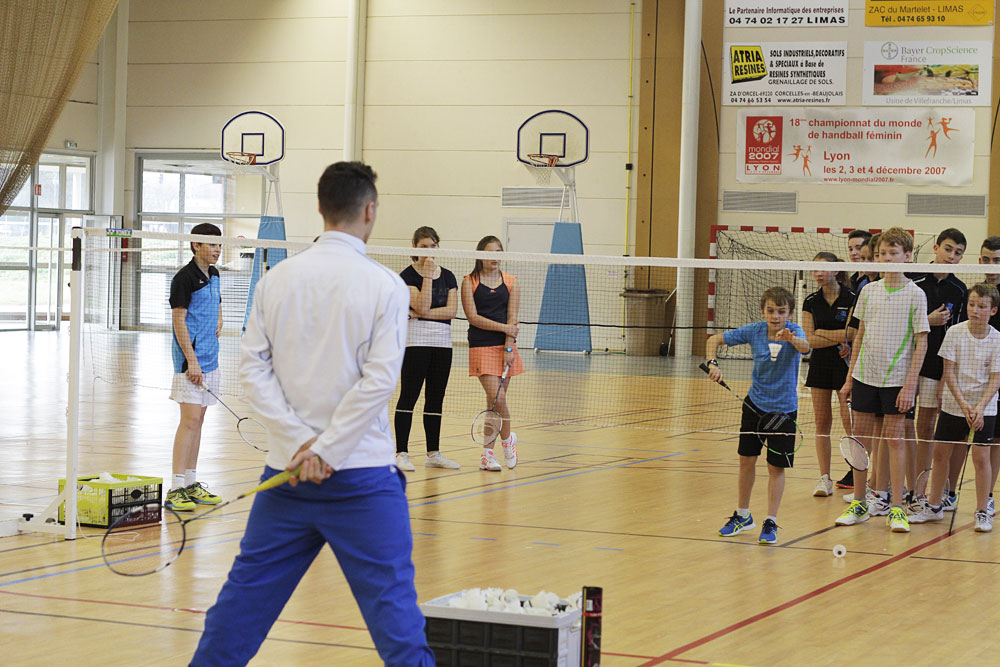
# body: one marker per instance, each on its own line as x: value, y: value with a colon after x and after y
x: 15, y: 233
x: 48, y: 272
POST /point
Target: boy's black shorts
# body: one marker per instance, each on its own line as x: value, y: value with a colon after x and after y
x: 956, y: 430
x: 781, y: 440
x: 879, y: 401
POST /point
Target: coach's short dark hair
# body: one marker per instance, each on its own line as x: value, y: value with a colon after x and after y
x: 344, y: 189
x: 205, y: 228
x: 779, y: 296
x: 952, y: 234
x: 860, y: 234
x: 992, y: 243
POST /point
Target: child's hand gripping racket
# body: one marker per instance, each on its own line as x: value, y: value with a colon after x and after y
x: 769, y: 424
x: 851, y: 448
x: 487, y: 424
x: 135, y: 551
x: 252, y: 431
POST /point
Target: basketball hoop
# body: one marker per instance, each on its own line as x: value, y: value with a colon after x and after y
x: 237, y: 157
x: 243, y: 163
x: 544, y: 159
x: 541, y: 166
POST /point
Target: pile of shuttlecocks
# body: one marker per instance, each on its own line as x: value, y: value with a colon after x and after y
x: 497, y: 599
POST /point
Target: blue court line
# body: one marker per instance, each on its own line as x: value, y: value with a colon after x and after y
x: 547, y: 479
x: 101, y: 564
x: 427, y: 534
x: 546, y: 544
x: 484, y: 539
x: 608, y: 549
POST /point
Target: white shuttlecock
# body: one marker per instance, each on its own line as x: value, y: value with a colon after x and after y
x: 107, y: 478
x: 839, y: 551
x: 458, y: 603
x: 537, y: 612
x: 510, y: 596
x: 545, y: 600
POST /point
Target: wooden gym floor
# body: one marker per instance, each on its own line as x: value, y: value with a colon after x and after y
x: 634, y: 511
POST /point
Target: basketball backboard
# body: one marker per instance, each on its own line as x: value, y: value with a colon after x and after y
x: 256, y: 133
x: 554, y: 132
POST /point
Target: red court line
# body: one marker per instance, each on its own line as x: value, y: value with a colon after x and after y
x: 152, y: 606
x: 672, y: 655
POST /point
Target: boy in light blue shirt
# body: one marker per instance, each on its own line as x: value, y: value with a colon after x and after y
x: 777, y: 346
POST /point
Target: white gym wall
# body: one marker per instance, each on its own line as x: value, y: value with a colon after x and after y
x: 447, y: 83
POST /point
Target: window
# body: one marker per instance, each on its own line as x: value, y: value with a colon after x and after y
x: 64, y: 181
x: 177, y: 192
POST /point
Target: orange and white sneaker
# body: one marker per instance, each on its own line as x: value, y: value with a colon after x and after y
x: 510, y: 450
x: 489, y: 462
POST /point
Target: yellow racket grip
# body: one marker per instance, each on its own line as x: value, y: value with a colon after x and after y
x: 277, y: 480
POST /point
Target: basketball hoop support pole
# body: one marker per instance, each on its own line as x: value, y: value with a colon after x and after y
x: 688, y: 186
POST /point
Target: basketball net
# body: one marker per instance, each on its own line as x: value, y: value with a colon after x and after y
x: 243, y: 163
x: 541, y: 167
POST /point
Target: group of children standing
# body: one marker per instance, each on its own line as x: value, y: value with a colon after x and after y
x: 490, y: 299
x: 914, y: 360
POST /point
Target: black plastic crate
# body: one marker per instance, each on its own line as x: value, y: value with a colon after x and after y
x: 475, y: 638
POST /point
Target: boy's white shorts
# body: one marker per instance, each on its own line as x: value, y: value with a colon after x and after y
x: 184, y: 391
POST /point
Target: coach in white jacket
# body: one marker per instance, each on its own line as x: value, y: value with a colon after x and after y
x: 320, y: 361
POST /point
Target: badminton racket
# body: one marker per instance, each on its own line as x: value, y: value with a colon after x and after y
x: 851, y: 448
x: 251, y: 431
x: 486, y: 426
x: 770, y: 424
x: 135, y: 551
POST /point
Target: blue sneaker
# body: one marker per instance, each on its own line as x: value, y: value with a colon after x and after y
x: 769, y: 533
x: 736, y: 525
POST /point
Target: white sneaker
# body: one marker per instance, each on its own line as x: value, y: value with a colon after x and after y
x: 438, y: 460
x: 926, y: 514
x: 991, y: 508
x: 877, y: 506
x: 403, y: 462
x: 510, y: 451
x: 824, y: 487
x: 948, y: 502
x: 984, y: 522
x: 849, y: 497
x: 489, y: 462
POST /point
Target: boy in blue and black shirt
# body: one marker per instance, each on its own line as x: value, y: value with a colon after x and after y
x: 777, y: 345
x: 196, y: 304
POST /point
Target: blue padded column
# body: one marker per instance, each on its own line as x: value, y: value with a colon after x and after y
x: 564, y: 301
x: 273, y: 228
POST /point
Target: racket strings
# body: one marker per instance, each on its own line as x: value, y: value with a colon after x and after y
x: 774, y: 424
x: 854, y: 452
x: 139, y: 550
x: 486, y: 427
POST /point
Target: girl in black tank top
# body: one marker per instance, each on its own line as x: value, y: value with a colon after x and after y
x: 427, y: 362
x: 490, y: 299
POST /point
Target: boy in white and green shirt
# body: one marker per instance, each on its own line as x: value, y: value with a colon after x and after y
x: 887, y: 355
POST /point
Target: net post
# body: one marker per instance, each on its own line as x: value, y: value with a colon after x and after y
x: 73, y: 395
